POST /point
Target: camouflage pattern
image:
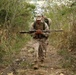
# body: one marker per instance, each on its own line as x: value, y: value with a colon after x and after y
x: 37, y: 55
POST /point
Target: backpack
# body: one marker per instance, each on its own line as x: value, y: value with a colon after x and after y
x: 47, y: 21
x: 35, y: 27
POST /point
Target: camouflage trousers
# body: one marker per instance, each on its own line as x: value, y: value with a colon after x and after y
x: 40, y: 48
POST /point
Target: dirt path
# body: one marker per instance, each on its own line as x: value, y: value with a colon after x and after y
x: 51, y: 64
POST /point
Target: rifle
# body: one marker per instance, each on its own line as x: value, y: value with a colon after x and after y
x: 45, y: 31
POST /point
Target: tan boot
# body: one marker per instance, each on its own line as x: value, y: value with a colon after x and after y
x: 35, y: 65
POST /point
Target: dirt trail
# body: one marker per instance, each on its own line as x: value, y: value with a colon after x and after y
x: 51, y: 64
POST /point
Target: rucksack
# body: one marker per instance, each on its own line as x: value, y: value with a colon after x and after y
x: 47, y: 21
x: 34, y: 25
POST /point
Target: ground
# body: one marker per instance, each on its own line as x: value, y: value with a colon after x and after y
x: 51, y: 65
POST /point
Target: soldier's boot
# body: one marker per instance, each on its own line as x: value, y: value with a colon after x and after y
x: 41, y: 63
x: 35, y: 64
x: 35, y: 67
x: 14, y: 71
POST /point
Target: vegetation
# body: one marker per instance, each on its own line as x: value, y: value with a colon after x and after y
x: 63, y: 17
x: 14, y: 17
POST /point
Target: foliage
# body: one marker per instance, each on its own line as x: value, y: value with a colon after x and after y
x: 2, y: 52
x: 63, y: 17
x: 15, y: 15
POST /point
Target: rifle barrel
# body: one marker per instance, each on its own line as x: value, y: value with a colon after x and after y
x: 56, y: 30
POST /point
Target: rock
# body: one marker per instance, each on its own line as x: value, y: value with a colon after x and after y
x: 31, y: 50
x: 42, y: 72
x: 61, y: 74
x: 10, y: 73
x: 52, y: 68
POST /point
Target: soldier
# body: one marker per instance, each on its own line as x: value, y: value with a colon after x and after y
x: 39, y: 25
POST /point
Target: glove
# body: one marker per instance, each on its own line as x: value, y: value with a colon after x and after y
x: 38, y: 31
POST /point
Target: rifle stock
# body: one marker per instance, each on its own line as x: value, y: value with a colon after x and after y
x: 29, y: 32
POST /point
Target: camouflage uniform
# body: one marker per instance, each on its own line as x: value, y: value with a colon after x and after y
x: 36, y: 41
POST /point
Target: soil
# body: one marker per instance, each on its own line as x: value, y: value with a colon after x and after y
x: 50, y: 66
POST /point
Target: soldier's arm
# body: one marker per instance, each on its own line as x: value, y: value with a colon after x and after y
x: 31, y: 28
x: 46, y: 29
x: 46, y: 26
x: 50, y: 21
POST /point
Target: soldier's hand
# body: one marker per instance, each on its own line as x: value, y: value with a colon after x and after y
x: 38, y: 31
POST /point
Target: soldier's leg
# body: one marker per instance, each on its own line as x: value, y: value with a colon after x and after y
x: 44, y: 45
x: 36, y: 45
x: 41, y: 49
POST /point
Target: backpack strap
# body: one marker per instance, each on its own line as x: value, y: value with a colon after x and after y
x: 43, y: 25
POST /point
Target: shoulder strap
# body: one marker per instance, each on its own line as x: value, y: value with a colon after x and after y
x: 43, y: 25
